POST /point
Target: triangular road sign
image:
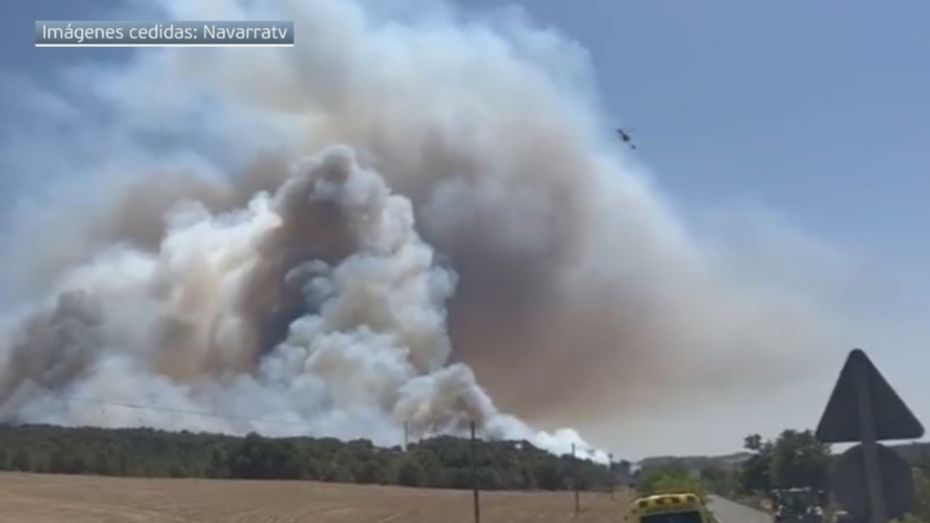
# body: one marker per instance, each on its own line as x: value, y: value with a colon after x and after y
x: 891, y: 417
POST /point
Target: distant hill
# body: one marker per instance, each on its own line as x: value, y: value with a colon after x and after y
x: 911, y: 452
x: 697, y: 463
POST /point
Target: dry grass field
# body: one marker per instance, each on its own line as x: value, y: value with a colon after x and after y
x: 85, y: 499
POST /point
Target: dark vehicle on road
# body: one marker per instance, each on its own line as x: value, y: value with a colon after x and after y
x: 798, y: 505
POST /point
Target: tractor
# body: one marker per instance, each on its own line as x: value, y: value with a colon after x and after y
x: 798, y: 505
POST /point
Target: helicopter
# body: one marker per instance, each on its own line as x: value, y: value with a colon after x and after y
x: 624, y: 136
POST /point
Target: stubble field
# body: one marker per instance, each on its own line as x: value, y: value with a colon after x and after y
x: 84, y: 499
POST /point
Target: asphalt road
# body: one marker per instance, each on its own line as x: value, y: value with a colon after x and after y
x: 729, y: 512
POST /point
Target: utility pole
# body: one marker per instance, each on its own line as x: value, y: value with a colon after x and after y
x: 474, y: 475
x: 610, y: 471
x: 406, y: 435
x: 575, y: 480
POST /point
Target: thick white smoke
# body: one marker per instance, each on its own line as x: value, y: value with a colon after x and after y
x: 167, y: 328
x: 252, y: 267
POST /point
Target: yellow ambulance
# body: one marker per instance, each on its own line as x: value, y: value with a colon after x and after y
x: 669, y: 508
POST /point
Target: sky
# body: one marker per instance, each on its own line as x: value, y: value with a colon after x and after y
x: 816, y: 112
x: 814, y: 115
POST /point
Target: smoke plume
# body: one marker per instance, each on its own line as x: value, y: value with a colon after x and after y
x: 357, y: 232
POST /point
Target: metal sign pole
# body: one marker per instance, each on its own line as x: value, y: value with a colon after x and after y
x: 873, y: 472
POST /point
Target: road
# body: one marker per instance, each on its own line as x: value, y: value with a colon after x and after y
x: 730, y: 512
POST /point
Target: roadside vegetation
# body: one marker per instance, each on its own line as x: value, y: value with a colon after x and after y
x: 793, y: 459
x: 921, y: 512
x: 673, y: 478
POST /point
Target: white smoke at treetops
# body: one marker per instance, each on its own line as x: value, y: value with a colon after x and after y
x: 338, y: 238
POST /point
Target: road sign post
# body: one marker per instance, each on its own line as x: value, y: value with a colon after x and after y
x: 865, y: 408
x: 873, y: 473
x: 851, y: 491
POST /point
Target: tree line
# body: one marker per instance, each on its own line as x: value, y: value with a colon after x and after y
x: 441, y: 462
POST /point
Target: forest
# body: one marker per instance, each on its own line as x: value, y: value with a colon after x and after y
x: 441, y: 462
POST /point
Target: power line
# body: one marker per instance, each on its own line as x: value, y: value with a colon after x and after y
x: 176, y: 410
